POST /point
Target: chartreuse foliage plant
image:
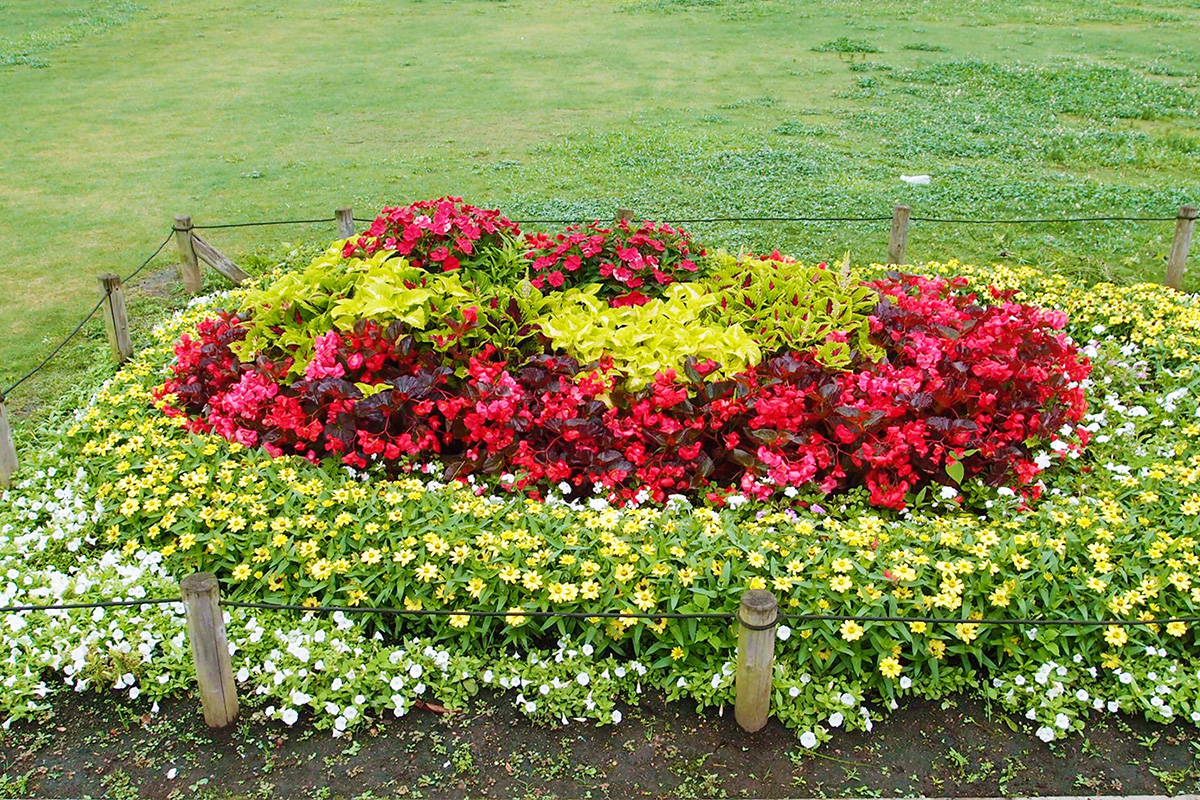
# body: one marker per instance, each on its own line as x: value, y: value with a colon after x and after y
x: 1092, y: 513
x: 643, y: 340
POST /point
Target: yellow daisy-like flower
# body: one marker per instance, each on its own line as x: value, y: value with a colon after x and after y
x: 371, y: 556
x: 1110, y: 661
x: 427, y: 572
x: 1116, y: 635
x: 851, y: 631
x: 515, y: 618
x: 890, y: 667
x: 676, y: 653
x: 687, y: 576
x: 459, y: 620
x: 510, y: 574
x: 841, y: 583
x: 1176, y: 628
x: 644, y: 599
x: 563, y: 592
x: 531, y: 580
x: 937, y: 648
x: 241, y: 572
x: 624, y: 573
x: 475, y: 587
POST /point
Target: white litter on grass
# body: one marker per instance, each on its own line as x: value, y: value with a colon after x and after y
x: 916, y: 180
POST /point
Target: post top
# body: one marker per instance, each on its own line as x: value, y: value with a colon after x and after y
x: 903, y: 208
x: 198, y: 583
x: 183, y: 222
x: 759, y: 600
x: 1187, y: 211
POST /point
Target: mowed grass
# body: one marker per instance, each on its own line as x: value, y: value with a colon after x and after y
x: 116, y: 116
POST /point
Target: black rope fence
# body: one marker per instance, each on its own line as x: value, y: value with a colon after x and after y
x: 588, y: 615
x: 673, y: 220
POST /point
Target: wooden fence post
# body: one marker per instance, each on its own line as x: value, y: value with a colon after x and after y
x: 116, y: 321
x: 625, y: 214
x: 755, y: 657
x: 8, y: 450
x: 899, y: 238
x: 210, y: 648
x: 345, y: 222
x: 189, y: 266
x: 1185, y: 223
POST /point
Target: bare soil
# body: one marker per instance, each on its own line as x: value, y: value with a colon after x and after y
x: 948, y: 748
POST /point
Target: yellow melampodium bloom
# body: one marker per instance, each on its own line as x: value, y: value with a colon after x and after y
x: 427, y: 572
x: 937, y: 648
x: 241, y: 572
x: 890, y: 667
x: 531, y: 580
x: 851, y: 631
x: 1177, y: 628
x: 459, y: 620
x: 563, y: 592
x: 624, y: 573
x: 475, y: 587
x: 515, y: 618
x: 841, y: 583
x: 1116, y: 635
x: 371, y: 556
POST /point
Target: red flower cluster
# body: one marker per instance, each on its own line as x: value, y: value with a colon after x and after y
x: 442, y: 234
x: 960, y: 383
x: 627, y: 261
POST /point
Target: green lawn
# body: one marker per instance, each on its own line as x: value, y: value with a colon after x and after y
x: 119, y: 115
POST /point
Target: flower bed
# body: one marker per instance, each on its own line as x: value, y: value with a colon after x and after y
x: 1027, y: 527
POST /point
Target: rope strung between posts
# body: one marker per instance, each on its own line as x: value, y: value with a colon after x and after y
x: 726, y: 615
x: 83, y: 322
x: 265, y: 223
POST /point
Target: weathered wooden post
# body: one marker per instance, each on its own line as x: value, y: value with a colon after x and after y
x: 1185, y: 223
x: 625, y: 214
x: 189, y: 265
x: 210, y: 648
x: 345, y: 222
x: 755, y: 658
x: 898, y: 241
x: 116, y: 321
x: 8, y: 450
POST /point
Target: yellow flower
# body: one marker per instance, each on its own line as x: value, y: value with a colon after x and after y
x: 510, y: 574
x: 563, y: 592
x: 475, y: 587
x: 841, y: 583
x: 937, y: 648
x: 890, y: 667
x: 756, y: 582
x: 1115, y: 635
x: 589, y: 590
x: 515, y: 618
x: 427, y: 572
x: 756, y: 560
x: 624, y: 573
x: 241, y: 572
x: 459, y: 620
x: 1111, y: 661
x: 851, y: 631
x: 321, y: 569
x: 644, y: 599
x: 966, y: 631
x: 917, y: 627
x: 403, y: 557
x: 1176, y: 628
x: 531, y: 580
x: 676, y: 653
x: 371, y: 556
x: 687, y: 576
